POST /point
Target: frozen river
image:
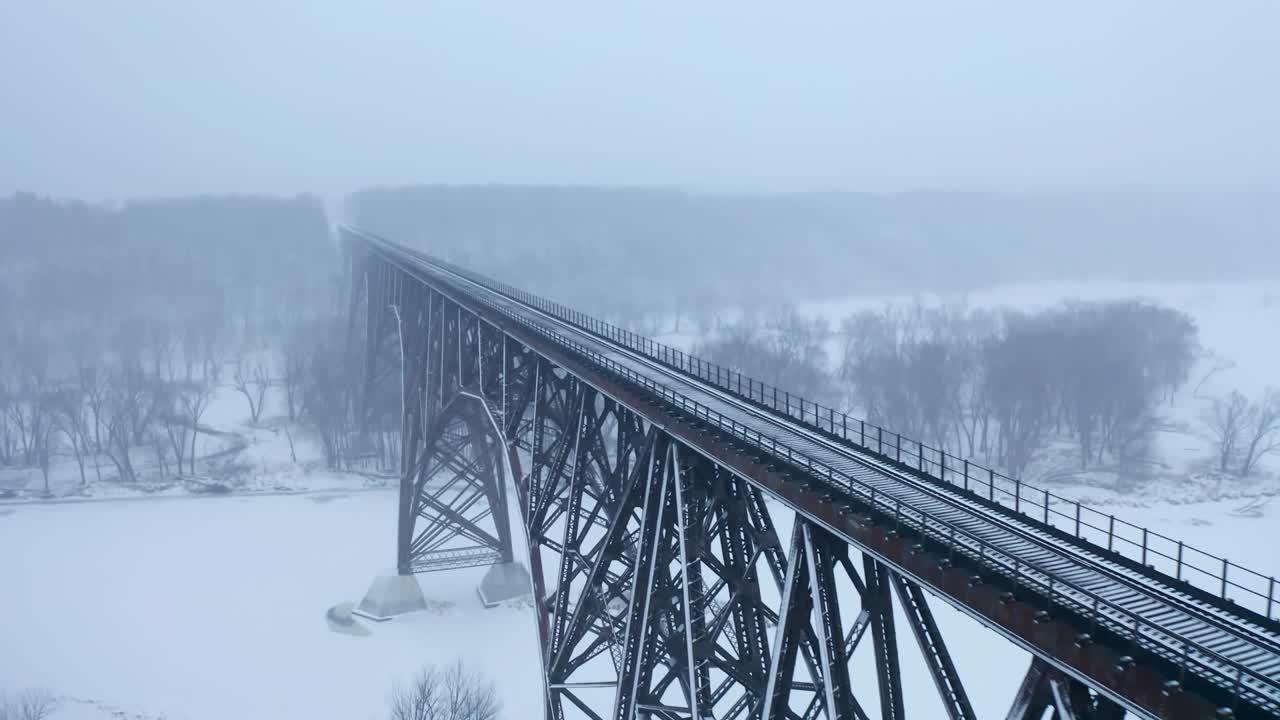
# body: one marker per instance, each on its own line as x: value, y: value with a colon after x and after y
x: 215, y: 608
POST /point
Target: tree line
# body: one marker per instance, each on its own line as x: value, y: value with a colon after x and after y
x: 118, y: 324
x: 632, y: 255
x: 1001, y: 386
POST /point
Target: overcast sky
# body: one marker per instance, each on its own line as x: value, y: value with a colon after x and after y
x: 108, y: 100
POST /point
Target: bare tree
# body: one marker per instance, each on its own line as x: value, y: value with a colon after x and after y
x: 43, y: 450
x: 252, y: 385
x: 189, y: 342
x: 797, y: 357
x: 324, y: 401
x: 1220, y: 364
x: 1261, y: 430
x: 117, y: 421
x: 31, y: 704
x: 293, y: 370
x: 94, y: 388
x: 163, y: 346
x: 157, y: 443
x: 28, y: 407
x: 917, y: 371
x: 7, y: 440
x: 1225, y: 420
x: 69, y: 419
x: 139, y: 397
x: 971, y: 407
x: 194, y: 400
x: 450, y: 694
x: 174, y: 420
x: 293, y: 453
x: 1018, y: 381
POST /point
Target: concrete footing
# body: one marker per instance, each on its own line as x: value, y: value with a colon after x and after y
x: 503, y: 582
x: 391, y: 595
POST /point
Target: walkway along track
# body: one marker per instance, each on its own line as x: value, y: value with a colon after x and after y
x: 1231, y: 657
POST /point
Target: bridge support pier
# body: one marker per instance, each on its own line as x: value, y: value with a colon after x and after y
x: 391, y: 595
x: 504, y: 582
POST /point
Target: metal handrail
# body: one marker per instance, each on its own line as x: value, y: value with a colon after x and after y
x: 1243, y: 586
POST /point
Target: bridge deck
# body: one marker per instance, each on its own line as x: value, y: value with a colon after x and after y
x: 1229, y: 649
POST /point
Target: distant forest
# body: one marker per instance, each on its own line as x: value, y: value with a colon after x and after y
x: 116, y: 323
x: 619, y: 252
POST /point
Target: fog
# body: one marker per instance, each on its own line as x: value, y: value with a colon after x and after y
x: 1037, y: 243
x: 154, y: 98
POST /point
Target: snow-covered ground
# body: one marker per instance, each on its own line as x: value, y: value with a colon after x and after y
x: 215, y: 608
x: 211, y: 608
x: 271, y: 456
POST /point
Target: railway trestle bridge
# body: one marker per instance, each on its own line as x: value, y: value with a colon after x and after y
x: 702, y: 545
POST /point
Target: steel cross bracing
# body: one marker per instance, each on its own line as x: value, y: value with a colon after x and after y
x: 662, y: 588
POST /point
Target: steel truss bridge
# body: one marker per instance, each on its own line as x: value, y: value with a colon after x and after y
x: 702, y: 545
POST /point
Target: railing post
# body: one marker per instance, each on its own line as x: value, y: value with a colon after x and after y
x: 1179, y: 566
x: 844, y: 426
x: 898, y: 455
x: 1271, y: 595
x: 942, y: 465
x: 966, y: 476
x: 862, y: 433
x: 831, y: 420
x: 1077, y: 519
x: 1111, y: 532
x: 1144, y: 546
x: 1224, y: 578
x: 880, y: 440
x: 1046, y: 507
x: 1017, y: 495
x: 991, y: 485
x: 920, y: 456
